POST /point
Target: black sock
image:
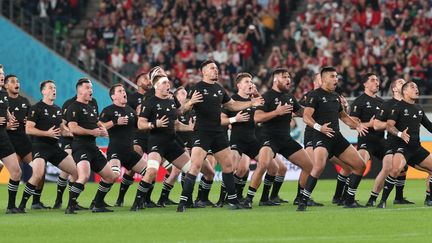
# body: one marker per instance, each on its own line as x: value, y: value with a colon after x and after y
x: 205, y: 187
x: 340, y: 184
x: 61, y: 187
x: 400, y: 184
x: 75, y: 191
x: 188, y: 187
x: 238, y: 184
x: 251, y: 193
x: 373, y: 196
x: 166, y: 189
x: 182, y: 178
x: 142, y: 191
x: 228, y: 179
x: 309, y: 187
x: 352, y: 187
x: 345, y: 189
x: 12, y: 191
x: 268, y: 182
x: 103, y: 189
x: 27, y: 193
x: 428, y: 197
x: 223, y: 193
x: 388, y: 187
x: 277, y: 184
x: 299, y: 191
x: 36, y: 196
x: 147, y: 198
x: 127, y: 180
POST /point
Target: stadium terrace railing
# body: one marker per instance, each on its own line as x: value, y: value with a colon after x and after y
x: 41, y: 30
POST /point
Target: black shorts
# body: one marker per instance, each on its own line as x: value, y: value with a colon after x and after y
x: 284, y: 145
x: 374, y: 147
x: 214, y: 141
x: 308, y: 138
x: 414, y: 155
x: 21, y: 144
x: 49, y: 152
x: 250, y: 147
x: 66, y: 143
x: 335, y: 145
x: 185, y: 139
x: 128, y: 157
x: 6, y: 147
x: 141, y: 139
x: 91, y: 153
x: 166, y: 145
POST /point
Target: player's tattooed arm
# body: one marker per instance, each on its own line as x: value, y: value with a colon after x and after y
x: 391, y: 128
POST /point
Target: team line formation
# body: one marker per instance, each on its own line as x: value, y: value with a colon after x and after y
x: 186, y: 132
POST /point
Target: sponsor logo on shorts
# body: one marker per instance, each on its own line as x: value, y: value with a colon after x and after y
x: 363, y: 146
x: 389, y: 151
x: 401, y: 150
x: 234, y: 146
x: 135, y: 141
x: 154, y: 148
x: 83, y: 156
x: 114, y: 156
x: 319, y: 143
x: 266, y: 143
x: 309, y: 143
x: 197, y: 142
x: 37, y: 155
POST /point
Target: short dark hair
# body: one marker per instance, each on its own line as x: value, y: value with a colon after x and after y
x: 178, y: 89
x: 366, y: 77
x: 405, y: 86
x: 327, y: 70
x: 207, y: 62
x: 82, y: 81
x: 278, y: 71
x: 393, y: 84
x: 241, y: 76
x: 7, y: 77
x: 139, y: 76
x: 1, y: 66
x: 44, y: 83
x: 112, y: 89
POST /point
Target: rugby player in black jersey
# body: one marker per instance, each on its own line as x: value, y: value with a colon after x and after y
x: 244, y: 145
x: 121, y: 121
x: 84, y: 123
x: 65, y: 142
x: 404, y: 123
x: 44, y: 124
x: 159, y: 116
x: 209, y: 134
x: 7, y: 152
x: 322, y: 112
x: 19, y: 107
x: 380, y: 123
x: 135, y: 100
x: 275, y: 116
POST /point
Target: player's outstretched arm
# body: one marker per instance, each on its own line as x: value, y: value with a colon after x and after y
x: 233, y: 105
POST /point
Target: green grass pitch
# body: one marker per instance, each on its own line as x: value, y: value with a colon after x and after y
x: 261, y: 224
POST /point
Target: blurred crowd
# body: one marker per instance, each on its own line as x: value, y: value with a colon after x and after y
x: 391, y: 38
x: 133, y: 36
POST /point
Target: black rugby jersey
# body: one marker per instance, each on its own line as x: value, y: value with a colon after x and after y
x: 85, y: 116
x: 365, y: 107
x: 19, y: 107
x: 155, y: 108
x: 120, y: 135
x: 245, y: 129
x: 410, y: 116
x: 45, y: 116
x: 327, y: 107
x: 279, y: 124
x: 208, y: 112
